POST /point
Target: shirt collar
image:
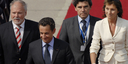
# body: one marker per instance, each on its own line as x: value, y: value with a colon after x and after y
x: 80, y: 19
x: 22, y: 25
x: 50, y: 43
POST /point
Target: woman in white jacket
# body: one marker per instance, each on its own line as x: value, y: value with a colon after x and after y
x: 113, y: 32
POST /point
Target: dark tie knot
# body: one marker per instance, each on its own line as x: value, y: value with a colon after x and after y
x: 83, y: 21
x: 47, y: 45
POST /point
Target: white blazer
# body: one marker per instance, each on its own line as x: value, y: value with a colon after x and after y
x: 112, y: 46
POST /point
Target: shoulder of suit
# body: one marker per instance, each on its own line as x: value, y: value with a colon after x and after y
x: 95, y: 18
x: 4, y: 25
x: 61, y: 42
x: 34, y: 43
x: 71, y: 19
x: 124, y: 21
x: 31, y: 21
x: 101, y: 21
x: 119, y: 19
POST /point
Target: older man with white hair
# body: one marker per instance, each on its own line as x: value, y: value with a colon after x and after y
x: 16, y: 35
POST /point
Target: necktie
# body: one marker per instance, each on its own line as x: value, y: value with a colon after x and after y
x: 84, y: 25
x: 47, y: 55
x: 18, y: 37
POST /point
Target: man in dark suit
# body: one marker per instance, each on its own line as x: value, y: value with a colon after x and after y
x: 5, y: 7
x: 57, y: 52
x: 78, y: 30
x: 2, y: 6
x: 16, y: 35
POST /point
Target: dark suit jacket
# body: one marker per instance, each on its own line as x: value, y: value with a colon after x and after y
x: 9, y: 52
x: 61, y: 53
x: 70, y: 33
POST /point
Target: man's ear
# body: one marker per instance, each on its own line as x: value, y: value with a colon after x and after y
x: 54, y: 30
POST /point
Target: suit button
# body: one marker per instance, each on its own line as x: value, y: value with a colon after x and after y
x: 112, y: 49
x: 19, y: 58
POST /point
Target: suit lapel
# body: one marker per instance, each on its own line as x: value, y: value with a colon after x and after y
x: 55, y: 49
x: 106, y: 27
x: 92, y: 23
x: 27, y: 30
x: 117, y: 29
x: 39, y: 51
x: 12, y: 34
x: 76, y: 30
x: 118, y: 26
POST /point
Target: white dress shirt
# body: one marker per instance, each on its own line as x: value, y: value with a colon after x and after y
x: 87, y: 22
x: 21, y: 29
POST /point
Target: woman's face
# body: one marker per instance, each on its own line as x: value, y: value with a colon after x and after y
x: 111, y: 11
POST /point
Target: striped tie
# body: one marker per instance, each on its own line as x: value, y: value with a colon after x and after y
x: 18, y: 37
x: 84, y: 25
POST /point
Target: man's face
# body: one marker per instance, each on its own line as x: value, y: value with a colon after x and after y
x: 46, y: 34
x: 18, y: 13
x: 83, y: 9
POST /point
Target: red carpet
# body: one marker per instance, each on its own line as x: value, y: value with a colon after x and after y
x: 96, y: 10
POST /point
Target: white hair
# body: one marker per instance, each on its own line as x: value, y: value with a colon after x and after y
x: 21, y: 1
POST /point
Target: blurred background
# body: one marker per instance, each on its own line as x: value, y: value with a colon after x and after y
x: 57, y: 9
x: 63, y: 9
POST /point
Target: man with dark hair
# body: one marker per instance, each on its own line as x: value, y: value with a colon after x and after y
x: 78, y: 31
x: 16, y: 35
x: 48, y: 49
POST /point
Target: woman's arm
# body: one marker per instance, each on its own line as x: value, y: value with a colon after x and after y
x: 95, y: 45
x: 93, y: 58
